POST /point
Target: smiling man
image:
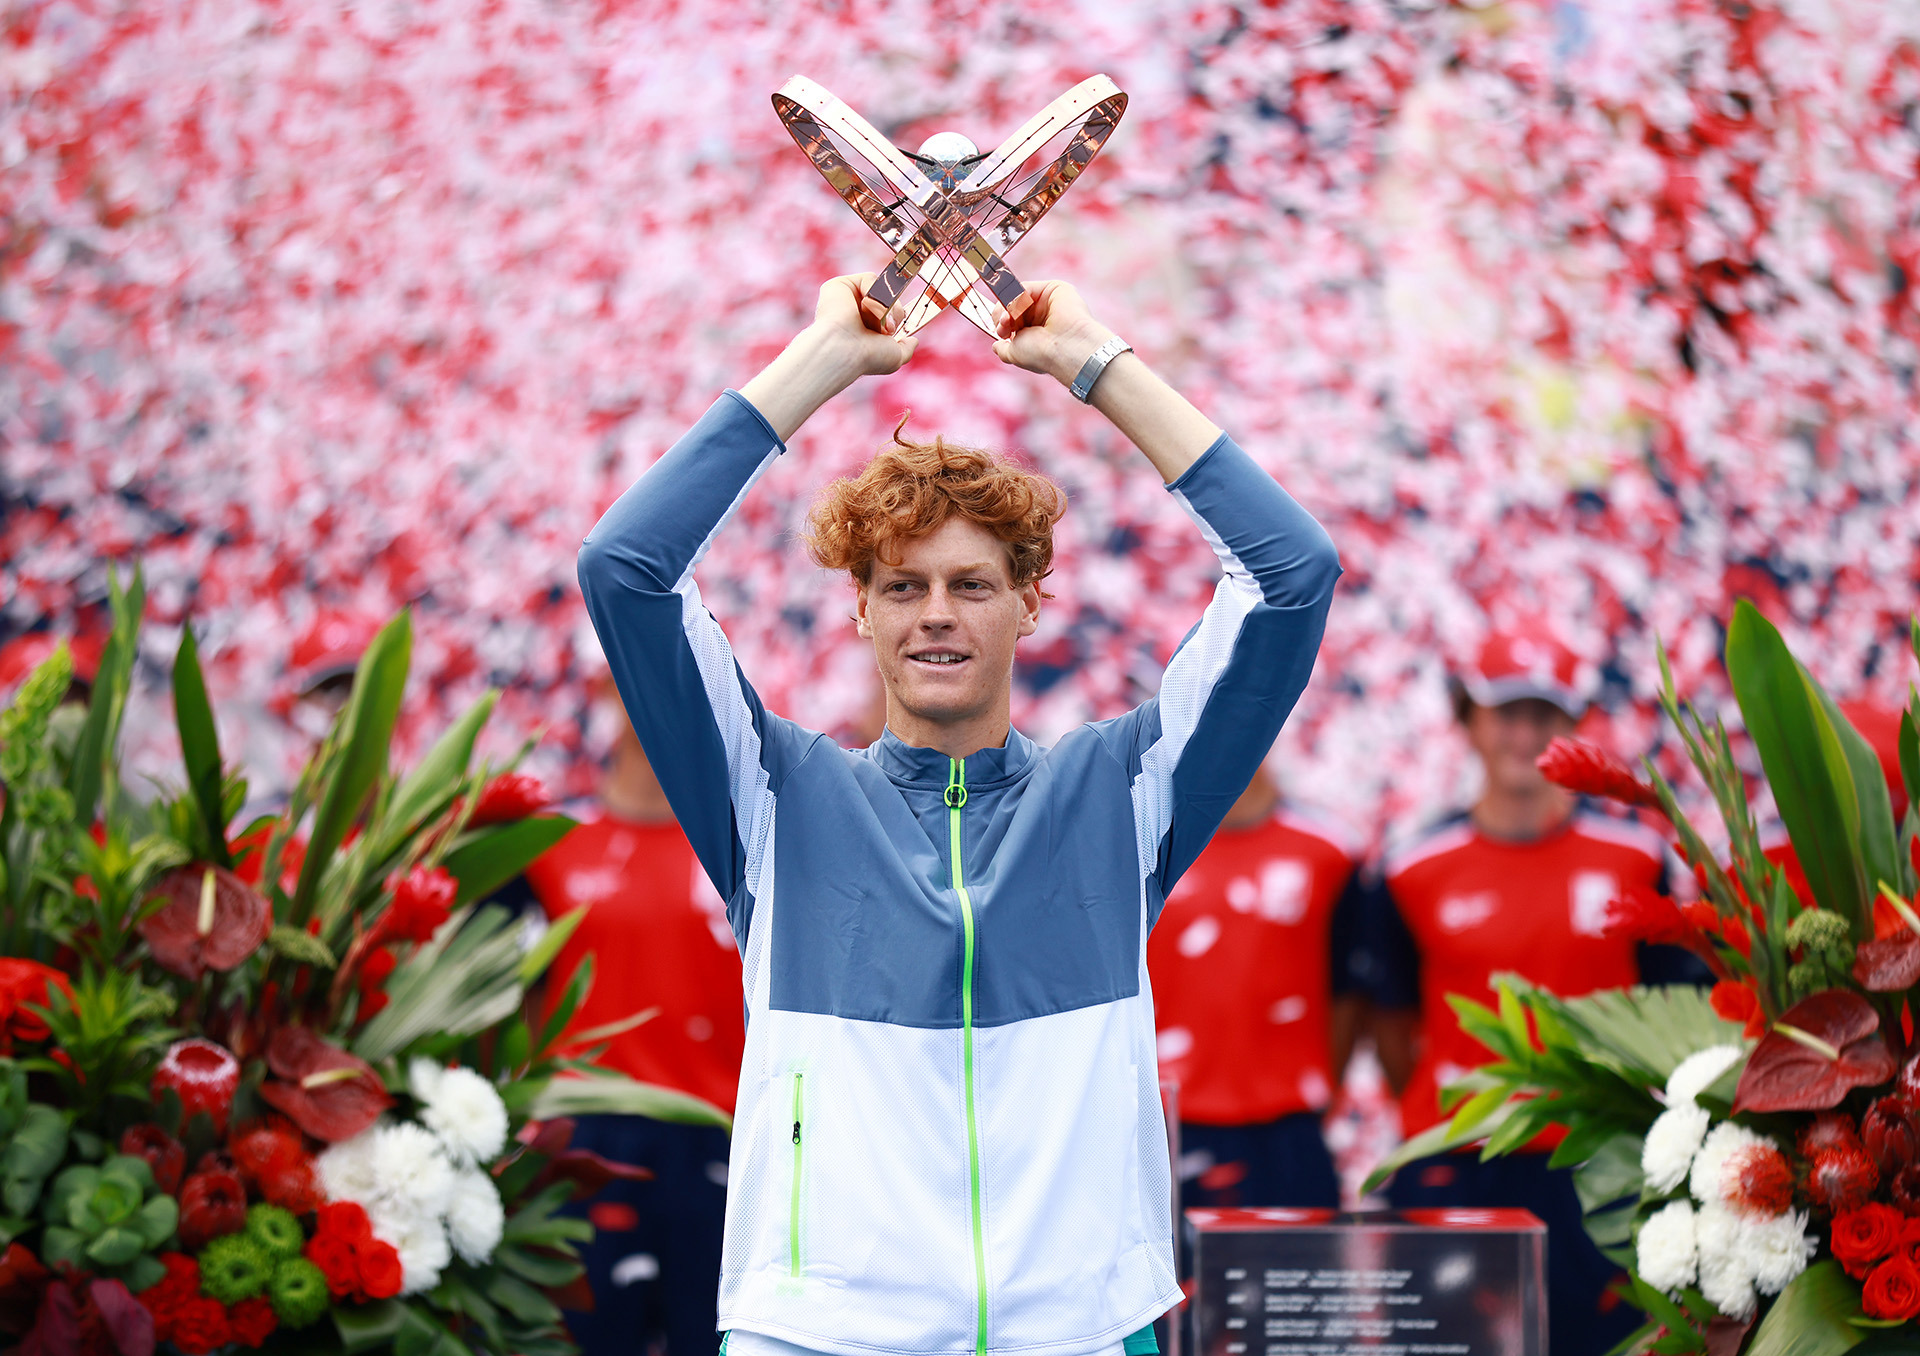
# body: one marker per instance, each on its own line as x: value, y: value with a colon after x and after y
x: 948, y: 1135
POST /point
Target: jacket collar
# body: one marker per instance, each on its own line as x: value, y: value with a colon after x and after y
x: 929, y: 767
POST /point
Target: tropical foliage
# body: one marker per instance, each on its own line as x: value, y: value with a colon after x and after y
x: 1751, y: 1154
x: 284, y: 1084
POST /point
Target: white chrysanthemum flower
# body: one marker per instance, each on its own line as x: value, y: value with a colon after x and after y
x: 421, y: 1241
x: 1707, y: 1179
x: 1672, y: 1141
x: 1697, y: 1072
x: 475, y: 1217
x: 1665, y: 1254
x: 346, y: 1169
x: 423, y: 1079
x: 1726, y: 1266
x: 411, y: 1170
x: 1777, y: 1249
x: 465, y: 1111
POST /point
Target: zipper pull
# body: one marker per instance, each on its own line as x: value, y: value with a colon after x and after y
x: 796, y: 1132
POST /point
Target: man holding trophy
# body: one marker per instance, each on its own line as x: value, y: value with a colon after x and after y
x: 948, y: 1135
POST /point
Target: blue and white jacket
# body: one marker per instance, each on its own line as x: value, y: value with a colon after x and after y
x: 948, y: 1136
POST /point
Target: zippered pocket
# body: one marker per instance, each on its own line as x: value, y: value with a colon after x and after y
x: 799, y: 1172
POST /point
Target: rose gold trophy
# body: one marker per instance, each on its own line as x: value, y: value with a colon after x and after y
x: 949, y: 213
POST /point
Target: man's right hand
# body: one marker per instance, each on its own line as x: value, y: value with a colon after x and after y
x: 836, y: 350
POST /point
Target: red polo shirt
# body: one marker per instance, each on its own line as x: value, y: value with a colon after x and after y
x: 1241, y: 970
x: 657, y: 931
x: 1475, y: 906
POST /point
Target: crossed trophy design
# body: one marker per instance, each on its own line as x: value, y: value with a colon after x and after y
x: 950, y: 213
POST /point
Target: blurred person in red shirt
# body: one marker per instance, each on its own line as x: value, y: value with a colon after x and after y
x: 1254, y: 1003
x: 657, y: 933
x: 1520, y: 882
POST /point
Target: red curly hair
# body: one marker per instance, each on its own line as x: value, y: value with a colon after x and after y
x: 910, y: 489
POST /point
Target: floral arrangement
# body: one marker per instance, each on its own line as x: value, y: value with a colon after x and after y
x: 282, y: 1086
x: 1751, y: 1154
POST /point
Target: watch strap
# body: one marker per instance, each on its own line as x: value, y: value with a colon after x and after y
x: 1096, y: 363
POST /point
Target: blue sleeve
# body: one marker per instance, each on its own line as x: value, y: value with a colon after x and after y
x: 718, y: 753
x: 1190, y: 750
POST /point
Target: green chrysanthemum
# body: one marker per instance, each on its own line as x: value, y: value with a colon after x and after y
x: 275, y: 1230
x: 299, y: 1292
x: 234, y: 1267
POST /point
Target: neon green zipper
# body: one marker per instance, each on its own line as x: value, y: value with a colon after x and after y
x: 956, y: 797
x: 793, y: 1209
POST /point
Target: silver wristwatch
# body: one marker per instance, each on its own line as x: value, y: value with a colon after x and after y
x: 1096, y: 363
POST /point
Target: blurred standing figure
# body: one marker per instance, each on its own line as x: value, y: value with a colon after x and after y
x: 658, y: 937
x: 1254, y: 1005
x: 1520, y: 882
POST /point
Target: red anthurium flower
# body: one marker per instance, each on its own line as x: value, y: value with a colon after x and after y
x: 24, y: 982
x: 211, y: 1204
x: 422, y: 901
x: 1891, y: 961
x: 1821, y: 1047
x: 325, y: 1091
x: 204, y: 1075
x: 1592, y: 771
x: 164, y: 1154
x: 588, y: 1172
x: 509, y: 797
x: 210, y: 920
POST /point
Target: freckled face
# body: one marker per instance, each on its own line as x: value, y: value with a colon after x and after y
x: 944, y: 622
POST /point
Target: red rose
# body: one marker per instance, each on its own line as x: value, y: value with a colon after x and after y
x: 164, y: 1154
x: 422, y: 901
x: 1909, y: 1244
x: 252, y: 1321
x: 1864, y: 1236
x: 335, y: 1258
x: 1893, y: 1290
x: 508, y: 797
x: 211, y: 1204
x: 380, y: 1272
x: 201, y: 1325
x: 345, y: 1219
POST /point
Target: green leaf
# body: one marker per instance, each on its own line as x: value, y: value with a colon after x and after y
x: 366, y: 732
x: 199, y: 744
x: 365, y: 1327
x: 619, y: 1095
x: 115, y: 1247
x: 93, y: 752
x: 1801, y: 756
x: 521, y: 1300
x: 432, y: 783
x: 539, y: 1268
x: 1435, y: 1139
x: 1878, y: 839
x: 1665, y: 1311
x: 297, y: 944
x: 157, y: 1220
x: 1612, y: 1173
x: 1810, y: 1318
x: 1478, y: 1107
x: 1646, y: 1030
x: 557, y: 935
x: 496, y: 857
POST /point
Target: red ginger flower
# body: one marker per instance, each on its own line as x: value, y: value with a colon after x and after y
x: 204, y: 1075
x: 24, y: 982
x: 1737, y: 1002
x: 1643, y: 915
x: 1862, y: 1237
x: 422, y: 900
x: 1591, y: 771
x: 509, y: 797
x: 1892, y: 1290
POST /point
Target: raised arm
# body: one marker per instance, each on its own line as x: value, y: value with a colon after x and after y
x: 1190, y: 750
x: 716, y: 750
